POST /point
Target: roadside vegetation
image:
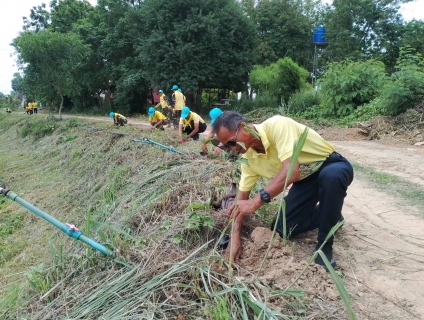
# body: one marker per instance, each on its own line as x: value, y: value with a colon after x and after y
x: 153, y: 208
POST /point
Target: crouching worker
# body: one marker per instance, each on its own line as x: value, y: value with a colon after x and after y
x: 118, y: 119
x: 157, y: 119
x: 191, y: 124
x: 319, y: 180
x: 214, y: 114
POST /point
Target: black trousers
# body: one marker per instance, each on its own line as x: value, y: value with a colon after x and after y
x: 328, y: 187
x: 189, y: 129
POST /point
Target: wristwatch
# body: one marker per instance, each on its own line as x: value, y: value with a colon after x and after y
x: 265, y: 196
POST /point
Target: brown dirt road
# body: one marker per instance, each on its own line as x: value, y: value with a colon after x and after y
x: 380, y: 250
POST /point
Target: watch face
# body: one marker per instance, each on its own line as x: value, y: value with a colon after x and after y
x: 265, y: 196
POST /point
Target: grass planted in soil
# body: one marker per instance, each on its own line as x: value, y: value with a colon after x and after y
x: 152, y: 207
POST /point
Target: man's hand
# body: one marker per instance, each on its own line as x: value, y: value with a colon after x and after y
x: 182, y: 140
x: 244, y: 207
x: 234, y: 244
x: 205, y: 148
x: 217, y: 151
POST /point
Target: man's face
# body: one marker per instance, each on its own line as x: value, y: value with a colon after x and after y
x: 232, y: 138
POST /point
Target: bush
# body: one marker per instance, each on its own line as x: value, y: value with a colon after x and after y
x: 279, y: 80
x: 38, y: 129
x: 245, y: 105
x: 303, y: 100
x: 406, y: 88
x: 347, y: 85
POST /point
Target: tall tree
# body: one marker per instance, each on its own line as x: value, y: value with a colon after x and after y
x: 363, y: 29
x: 196, y: 44
x: 285, y: 30
x: 51, y: 62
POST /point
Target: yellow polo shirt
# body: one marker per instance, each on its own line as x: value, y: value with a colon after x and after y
x: 195, y: 117
x: 157, y: 116
x: 278, y: 135
x: 179, y: 100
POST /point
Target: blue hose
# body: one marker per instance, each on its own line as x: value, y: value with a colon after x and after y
x: 70, y: 230
x: 147, y: 141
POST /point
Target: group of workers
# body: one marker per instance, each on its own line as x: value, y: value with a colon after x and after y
x: 318, y: 182
x: 31, y: 107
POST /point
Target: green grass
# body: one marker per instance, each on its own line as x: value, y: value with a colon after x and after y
x: 403, y: 190
x: 151, y: 206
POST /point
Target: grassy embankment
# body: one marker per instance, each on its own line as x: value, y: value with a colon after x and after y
x: 151, y: 206
x: 148, y: 204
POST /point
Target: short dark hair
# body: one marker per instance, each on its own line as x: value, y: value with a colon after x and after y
x: 228, y: 119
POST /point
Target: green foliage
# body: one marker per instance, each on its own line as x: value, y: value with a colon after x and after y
x: 209, y: 44
x: 51, y: 62
x: 363, y: 29
x: 348, y: 84
x: 303, y: 100
x: 284, y: 29
x: 279, y: 80
x: 38, y: 128
x: 10, y: 222
x: 245, y: 105
x: 406, y: 86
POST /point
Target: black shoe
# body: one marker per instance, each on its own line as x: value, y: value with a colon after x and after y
x: 196, y: 137
x: 328, y: 252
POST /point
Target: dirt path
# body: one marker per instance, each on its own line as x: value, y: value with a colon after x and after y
x: 380, y: 250
x: 382, y: 247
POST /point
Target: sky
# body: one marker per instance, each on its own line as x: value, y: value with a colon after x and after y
x: 11, y: 24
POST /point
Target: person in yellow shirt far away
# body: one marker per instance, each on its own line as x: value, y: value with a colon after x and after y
x: 35, y: 107
x: 178, y: 100
x: 190, y: 124
x: 166, y: 108
x: 28, y: 108
x: 118, y: 119
x: 157, y: 119
x: 319, y: 180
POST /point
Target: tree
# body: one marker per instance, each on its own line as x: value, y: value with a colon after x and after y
x: 51, y: 62
x: 413, y: 35
x: 64, y: 13
x: 196, y: 44
x: 285, y: 30
x: 39, y: 19
x: 363, y: 29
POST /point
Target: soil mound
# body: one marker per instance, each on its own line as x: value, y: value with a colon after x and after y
x: 282, y: 266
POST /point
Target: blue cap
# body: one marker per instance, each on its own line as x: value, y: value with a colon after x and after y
x: 160, y: 91
x: 111, y: 115
x: 179, y: 89
x: 151, y: 111
x: 174, y: 87
x: 185, y: 112
x: 214, y: 113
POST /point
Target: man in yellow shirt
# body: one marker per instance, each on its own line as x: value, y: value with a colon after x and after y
x: 191, y: 124
x: 320, y: 175
x: 118, y: 119
x: 178, y: 99
x: 35, y: 107
x: 157, y: 119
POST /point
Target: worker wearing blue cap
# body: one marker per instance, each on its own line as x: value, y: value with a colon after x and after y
x: 157, y: 119
x: 118, y: 119
x: 178, y: 100
x: 213, y: 114
x: 166, y: 108
x: 191, y: 124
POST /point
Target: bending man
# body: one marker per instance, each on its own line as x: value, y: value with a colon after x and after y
x: 191, y: 124
x: 157, y: 119
x: 320, y: 175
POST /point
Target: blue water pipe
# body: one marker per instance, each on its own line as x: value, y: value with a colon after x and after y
x: 67, y: 228
x: 148, y: 141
